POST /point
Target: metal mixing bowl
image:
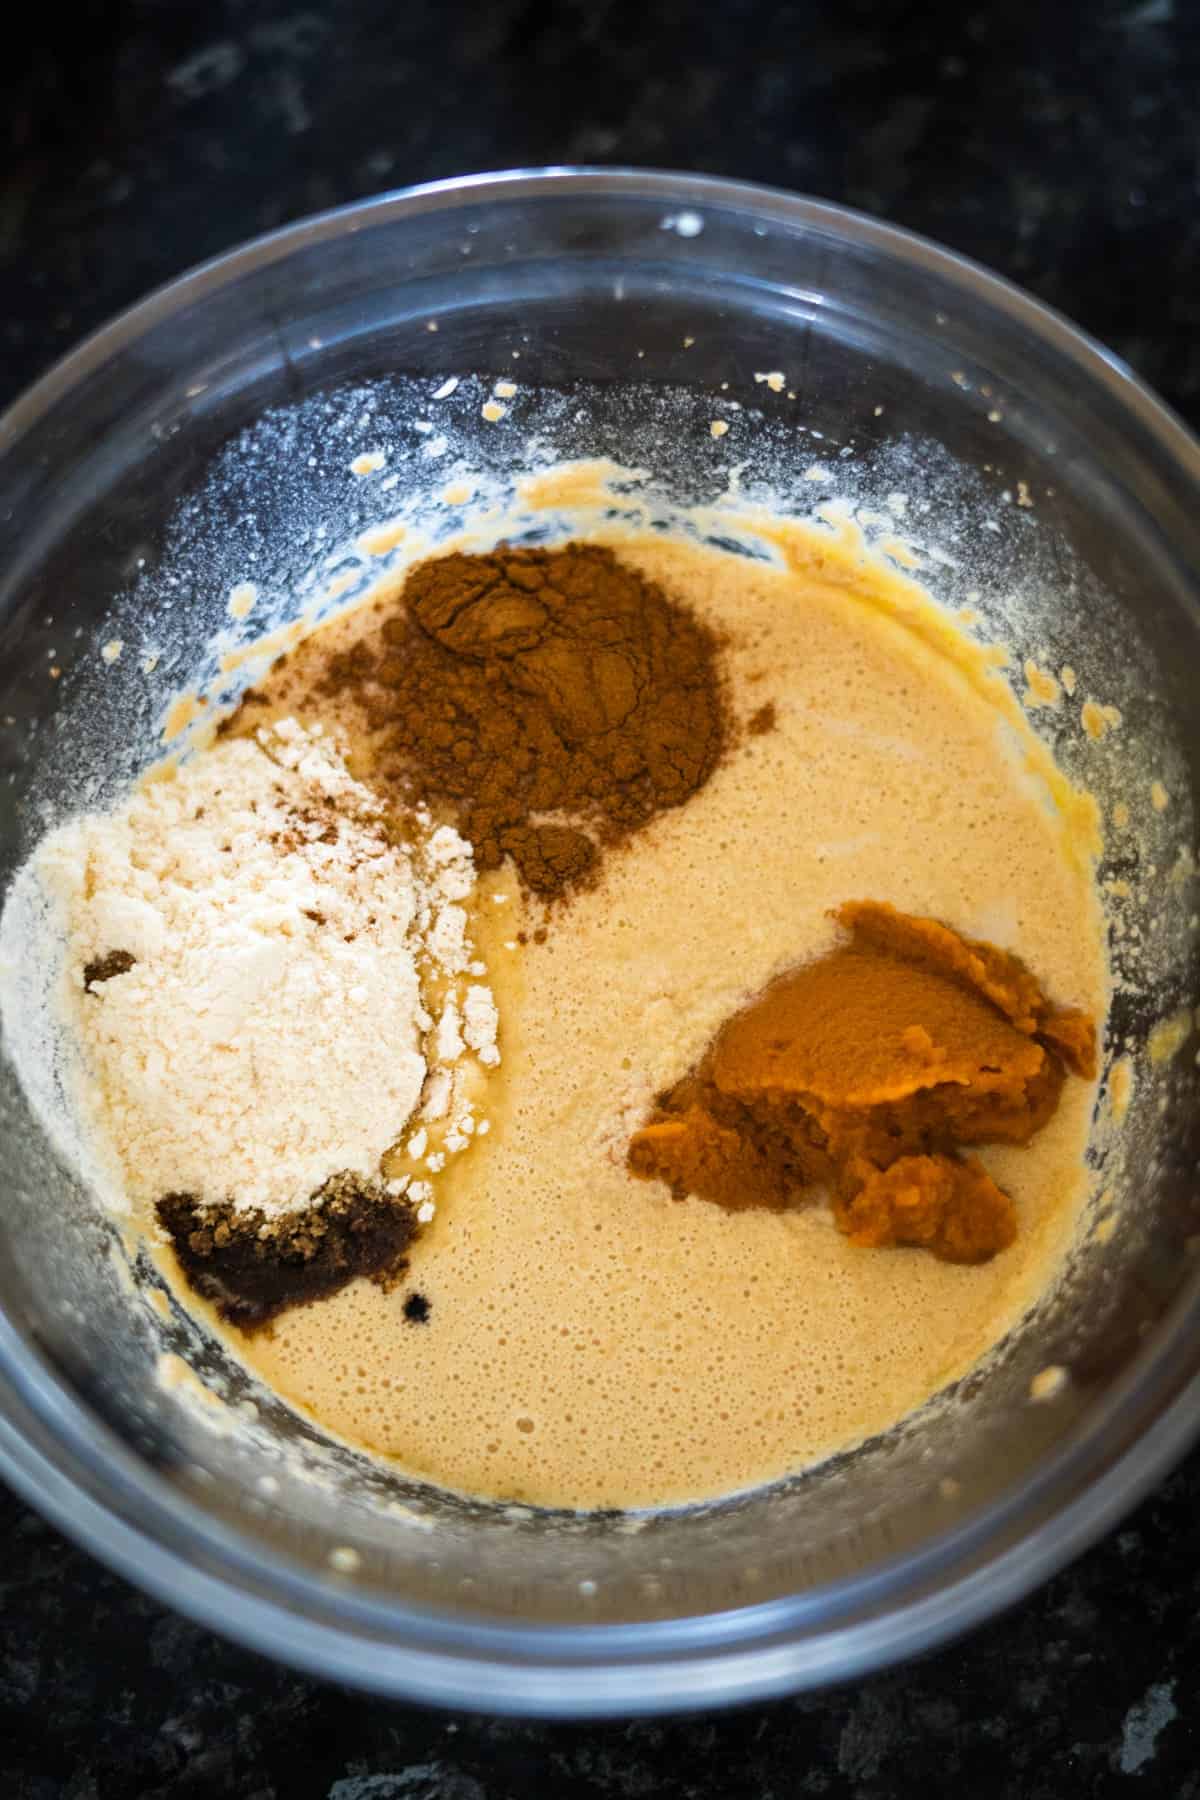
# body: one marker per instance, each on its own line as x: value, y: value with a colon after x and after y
x: 301, y: 1548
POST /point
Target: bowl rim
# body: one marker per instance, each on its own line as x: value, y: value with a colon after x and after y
x: 88, y: 1483
x: 696, y: 190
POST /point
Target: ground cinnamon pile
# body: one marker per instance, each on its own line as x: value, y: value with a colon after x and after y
x: 555, y: 699
x: 865, y: 1072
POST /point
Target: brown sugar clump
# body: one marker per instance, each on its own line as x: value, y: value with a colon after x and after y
x: 253, y: 1268
x: 556, y: 699
x: 866, y: 1071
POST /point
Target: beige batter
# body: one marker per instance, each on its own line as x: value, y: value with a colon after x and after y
x: 593, y: 1343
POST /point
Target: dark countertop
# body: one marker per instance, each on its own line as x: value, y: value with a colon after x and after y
x: 1060, y: 149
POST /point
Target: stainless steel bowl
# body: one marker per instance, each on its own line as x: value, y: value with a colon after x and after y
x: 600, y: 275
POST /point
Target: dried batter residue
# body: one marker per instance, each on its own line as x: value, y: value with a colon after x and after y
x: 1169, y: 1036
x: 1098, y: 720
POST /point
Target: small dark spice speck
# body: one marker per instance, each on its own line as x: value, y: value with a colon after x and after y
x: 103, y: 968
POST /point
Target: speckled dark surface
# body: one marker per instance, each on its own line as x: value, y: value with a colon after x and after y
x: 1060, y: 146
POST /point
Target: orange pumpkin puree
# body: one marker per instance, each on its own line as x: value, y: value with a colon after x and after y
x: 864, y: 1073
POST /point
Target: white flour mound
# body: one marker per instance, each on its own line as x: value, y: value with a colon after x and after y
x: 271, y: 1030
